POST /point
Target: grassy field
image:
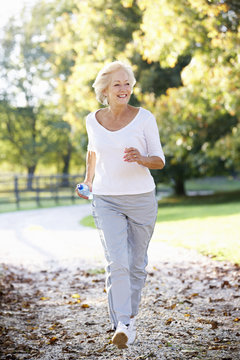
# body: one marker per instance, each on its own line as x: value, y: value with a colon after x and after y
x: 214, y: 184
x: 209, y: 224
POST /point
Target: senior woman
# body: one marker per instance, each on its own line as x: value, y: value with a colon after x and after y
x: 123, y: 144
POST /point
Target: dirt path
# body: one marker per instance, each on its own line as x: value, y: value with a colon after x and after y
x: 53, y: 304
x: 39, y: 239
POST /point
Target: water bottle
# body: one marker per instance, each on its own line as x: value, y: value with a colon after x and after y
x: 83, y: 189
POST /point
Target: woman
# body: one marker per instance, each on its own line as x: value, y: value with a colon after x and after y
x: 123, y: 145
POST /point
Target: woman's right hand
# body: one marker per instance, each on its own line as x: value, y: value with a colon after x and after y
x: 89, y: 184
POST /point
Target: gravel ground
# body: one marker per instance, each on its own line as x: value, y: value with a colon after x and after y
x: 54, y: 306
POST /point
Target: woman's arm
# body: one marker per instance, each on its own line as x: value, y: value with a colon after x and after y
x: 90, y: 171
x: 155, y: 158
x: 90, y: 168
x: 151, y: 162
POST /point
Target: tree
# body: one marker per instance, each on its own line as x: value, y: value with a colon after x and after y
x: 28, y: 135
x: 187, y: 72
x: 23, y: 68
x: 94, y: 33
x: 201, y: 117
x: 83, y: 38
x: 30, y: 117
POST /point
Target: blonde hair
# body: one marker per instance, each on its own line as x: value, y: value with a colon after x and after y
x: 104, y: 77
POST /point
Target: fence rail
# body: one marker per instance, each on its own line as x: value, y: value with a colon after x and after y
x: 19, y: 188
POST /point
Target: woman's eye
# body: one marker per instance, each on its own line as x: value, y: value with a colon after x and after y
x: 128, y: 84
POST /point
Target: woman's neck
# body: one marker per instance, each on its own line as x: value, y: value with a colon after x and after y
x: 118, y: 111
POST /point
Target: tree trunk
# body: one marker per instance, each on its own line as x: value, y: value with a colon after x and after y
x: 66, y: 166
x: 179, y: 187
x: 31, y: 170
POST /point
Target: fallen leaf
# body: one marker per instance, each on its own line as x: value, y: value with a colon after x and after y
x: 53, y: 340
x: 216, y: 300
x: 85, y: 306
x: 218, y: 347
x: 75, y: 296
x: 44, y: 298
x: 193, y: 295
x: 168, y: 321
x: 212, y: 287
x: 226, y: 313
x: 97, y: 280
x: 211, y: 310
x: 210, y: 322
x: 26, y: 304
x: 171, y: 307
x: 214, y: 324
x: 225, y: 283
x: 53, y: 327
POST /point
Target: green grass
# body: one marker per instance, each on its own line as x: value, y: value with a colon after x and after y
x: 219, y: 184
x: 216, y: 184
x: 208, y: 227
x: 209, y: 224
x: 88, y: 221
x: 181, y: 208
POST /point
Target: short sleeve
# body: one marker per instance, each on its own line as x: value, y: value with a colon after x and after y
x: 151, y: 132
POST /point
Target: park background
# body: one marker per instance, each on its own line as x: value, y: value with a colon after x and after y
x: 185, y: 56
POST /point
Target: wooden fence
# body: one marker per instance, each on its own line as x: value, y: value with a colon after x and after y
x: 19, y: 188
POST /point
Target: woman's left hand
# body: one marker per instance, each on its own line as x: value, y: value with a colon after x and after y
x: 132, y: 155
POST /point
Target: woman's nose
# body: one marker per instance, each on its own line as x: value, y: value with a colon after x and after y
x: 123, y: 87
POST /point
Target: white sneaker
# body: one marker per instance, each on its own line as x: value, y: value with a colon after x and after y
x: 120, y: 338
x: 131, y: 331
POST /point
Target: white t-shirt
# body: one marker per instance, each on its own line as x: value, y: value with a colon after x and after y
x: 113, y: 175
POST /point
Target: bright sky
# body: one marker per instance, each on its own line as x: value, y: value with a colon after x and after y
x: 10, y: 8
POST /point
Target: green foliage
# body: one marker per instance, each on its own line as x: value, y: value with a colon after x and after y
x: 199, y: 122
x: 185, y: 55
x: 33, y: 128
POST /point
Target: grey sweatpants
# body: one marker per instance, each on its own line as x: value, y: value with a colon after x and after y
x: 125, y: 224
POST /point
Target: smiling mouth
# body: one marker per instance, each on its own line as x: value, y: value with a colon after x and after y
x: 122, y: 96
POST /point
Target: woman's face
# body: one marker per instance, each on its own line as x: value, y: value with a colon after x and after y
x: 119, y: 89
